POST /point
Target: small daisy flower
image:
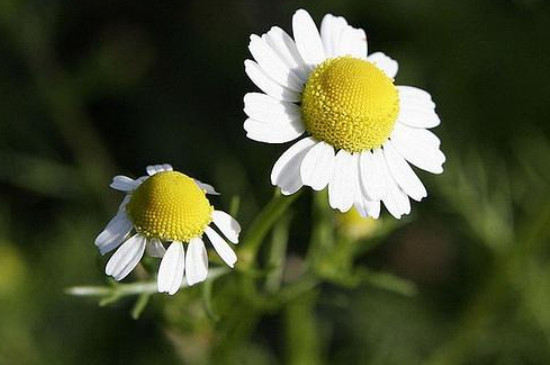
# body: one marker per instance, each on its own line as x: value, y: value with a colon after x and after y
x: 362, y: 132
x: 166, y: 207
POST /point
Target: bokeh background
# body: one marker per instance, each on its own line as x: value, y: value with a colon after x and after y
x: 90, y: 89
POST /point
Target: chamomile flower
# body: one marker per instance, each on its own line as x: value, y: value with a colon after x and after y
x: 362, y: 132
x: 166, y: 207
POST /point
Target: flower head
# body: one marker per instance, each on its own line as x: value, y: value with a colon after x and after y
x: 166, y: 207
x: 362, y: 131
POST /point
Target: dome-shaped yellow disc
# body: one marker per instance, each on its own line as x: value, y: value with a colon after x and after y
x: 170, y: 206
x: 350, y: 104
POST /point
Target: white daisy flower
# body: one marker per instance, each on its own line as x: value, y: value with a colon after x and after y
x: 362, y: 131
x: 166, y: 207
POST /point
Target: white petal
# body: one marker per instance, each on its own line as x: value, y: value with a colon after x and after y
x: 395, y: 200
x: 360, y: 206
x: 331, y: 30
x: 196, y: 262
x: 367, y: 208
x: 373, y: 208
x: 341, y: 192
x: 152, y: 169
x: 317, y: 168
x: 419, y: 148
x: 286, y: 48
x: 353, y: 42
x: 115, y: 232
x: 155, y: 169
x: 171, y: 268
x: 286, y: 171
x: 204, y: 186
x: 267, y: 84
x: 266, y: 109
x: 372, y: 180
x: 417, y: 112
x: 273, y: 132
x: 227, y: 224
x: 273, y: 65
x: 124, y: 183
x: 363, y: 205
x: 126, y: 257
x: 385, y: 63
x: 222, y: 248
x: 421, y: 135
x: 412, y: 100
x: 155, y: 248
x: 419, y: 118
x: 307, y: 38
x: 411, y: 92
x: 403, y: 173
x: 124, y: 203
x: 326, y: 28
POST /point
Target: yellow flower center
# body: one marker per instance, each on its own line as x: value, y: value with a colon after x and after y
x: 170, y: 206
x: 350, y: 104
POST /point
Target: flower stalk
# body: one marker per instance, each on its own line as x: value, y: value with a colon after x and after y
x: 261, y: 226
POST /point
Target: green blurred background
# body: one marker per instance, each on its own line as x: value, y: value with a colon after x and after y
x: 90, y: 89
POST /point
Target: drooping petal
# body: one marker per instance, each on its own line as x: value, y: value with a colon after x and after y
x: 361, y: 202
x: 308, y: 40
x: 207, y: 187
x: 170, y: 275
x: 317, y: 168
x: 273, y: 132
x: 196, y: 262
x: 286, y: 48
x: 367, y: 208
x: 341, y: 187
x: 268, y: 85
x: 222, y: 248
x: 124, y: 203
x: 359, y: 205
x: 155, y: 248
x: 155, y: 169
x: 286, y: 171
x: 421, y: 135
x: 388, y: 65
x: 403, y: 173
x: 411, y: 92
x: 418, y: 117
x: 273, y: 65
x: 372, y: 181
x: 373, y: 208
x: 116, y: 231
x: 419, y: 148
x: 417, y: 112
x: 227, y: 225
x: 124, y: 183
x: 395, y: 201
x: 125, y: 259
x: 264, y: 108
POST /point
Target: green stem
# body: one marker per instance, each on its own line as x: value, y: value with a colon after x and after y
x: 261, y: 226
x: 121, y: 290
x: 277, y: 253
x: 299, y: 288
x: 302, y: 332
x: 322, y: 231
